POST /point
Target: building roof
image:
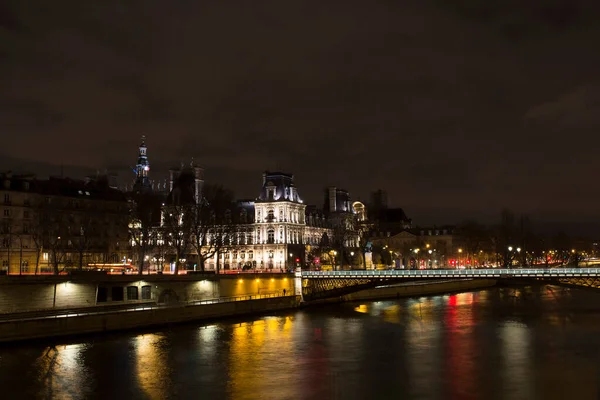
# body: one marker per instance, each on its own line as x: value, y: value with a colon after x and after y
x: 97, y: 189
x: 283, y: 183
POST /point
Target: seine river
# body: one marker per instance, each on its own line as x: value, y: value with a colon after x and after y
x: 503, y: 343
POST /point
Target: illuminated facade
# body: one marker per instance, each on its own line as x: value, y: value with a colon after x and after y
x: 272, y: 231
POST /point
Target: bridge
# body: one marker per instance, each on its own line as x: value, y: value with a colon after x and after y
x: 324, y: 284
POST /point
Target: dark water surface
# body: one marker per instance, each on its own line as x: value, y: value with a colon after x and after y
x: 503, y: 343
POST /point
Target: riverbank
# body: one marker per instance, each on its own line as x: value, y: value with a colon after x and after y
x: 138, y: 317
x: 56, y: 323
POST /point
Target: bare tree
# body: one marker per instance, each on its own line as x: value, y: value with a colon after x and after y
x: 177, y: 224
x: 50, y: 232
x: 144, y: 217
x: 212, y: 225
x: 344, y: 236
x: 81, y: 235
x: 8, y: 232
x: 223, y: 235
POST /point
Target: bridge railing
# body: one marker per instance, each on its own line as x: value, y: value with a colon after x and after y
x: 495, y: 272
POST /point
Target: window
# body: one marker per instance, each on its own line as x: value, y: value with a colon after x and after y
x: 250, y: 255
x: 7, y: 198
x: 6, y: 212
x: 45, y: 256
x: 270, y: 216
x: 117, y: 293
x: 25, y: 214
x: 132, y: 293
x: 102, y: 295
x: 270, y: 236
x: 146, y: 292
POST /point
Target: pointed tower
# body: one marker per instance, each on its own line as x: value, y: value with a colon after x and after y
x: 142, y: 169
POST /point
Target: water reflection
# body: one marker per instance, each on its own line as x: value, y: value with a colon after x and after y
x: 504, y: 343
x: 61, y: 372
x: 151, y: 366
x: 257, y: 350
x: 516, y: 355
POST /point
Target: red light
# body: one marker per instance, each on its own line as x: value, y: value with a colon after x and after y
x: 297, y: 260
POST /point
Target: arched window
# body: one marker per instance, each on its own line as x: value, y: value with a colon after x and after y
x: 270, y: 216
x: 271, y: 236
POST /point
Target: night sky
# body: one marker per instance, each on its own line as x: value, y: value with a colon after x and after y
x: 457, y: 108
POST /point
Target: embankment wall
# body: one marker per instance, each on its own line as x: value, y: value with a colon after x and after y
x: 15, y: 330
x: 43, y: 293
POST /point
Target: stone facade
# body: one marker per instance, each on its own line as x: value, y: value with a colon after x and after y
x: 60, y: 223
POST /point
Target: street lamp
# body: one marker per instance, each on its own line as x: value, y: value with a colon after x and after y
x: 416, y: 251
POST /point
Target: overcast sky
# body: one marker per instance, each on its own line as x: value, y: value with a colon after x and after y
x: 455, y: 110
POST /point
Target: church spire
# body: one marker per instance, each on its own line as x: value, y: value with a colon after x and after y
x: 142, y: 168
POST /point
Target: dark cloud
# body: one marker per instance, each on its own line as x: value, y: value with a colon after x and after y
x: 456, y: 108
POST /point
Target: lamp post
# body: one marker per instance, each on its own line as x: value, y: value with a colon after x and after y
x: 351, y: 260
x: 430, y: 264
x: 416, y: 258
x: 459, y: 256
x: 333, y: 259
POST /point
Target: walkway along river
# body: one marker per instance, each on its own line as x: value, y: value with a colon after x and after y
x: 534, y: 342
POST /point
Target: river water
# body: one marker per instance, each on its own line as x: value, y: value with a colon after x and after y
x: 540, y: 342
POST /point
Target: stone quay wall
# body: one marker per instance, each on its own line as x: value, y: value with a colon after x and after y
x: 35, y: 293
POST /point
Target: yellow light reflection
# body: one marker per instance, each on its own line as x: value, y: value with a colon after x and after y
x: 362, y: 309
x: 63, y: 371
x: 255, y: 348
x: 151, y: 366
x: 392, y: 314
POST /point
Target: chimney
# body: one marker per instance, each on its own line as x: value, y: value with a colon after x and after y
x: 173, y: 175
x: 332, y: 199
x: 199, y: 183
x: 264, y: 177
x: 112, y: 180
